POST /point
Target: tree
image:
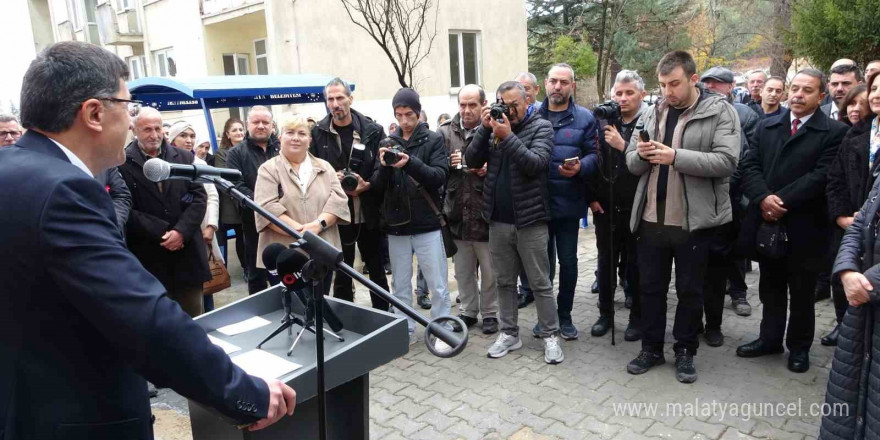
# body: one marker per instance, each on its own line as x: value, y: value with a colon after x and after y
x: 826, y: 30
x: 401, y: 28
x: 578, y: 54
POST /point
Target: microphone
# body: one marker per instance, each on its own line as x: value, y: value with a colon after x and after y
x: 157, y: 170
x: 289, y: 264
x: 270, y: 257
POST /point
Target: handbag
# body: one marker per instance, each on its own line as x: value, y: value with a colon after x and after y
x: 219, y: 275
x: 448, y: 241
x: 772, y: 240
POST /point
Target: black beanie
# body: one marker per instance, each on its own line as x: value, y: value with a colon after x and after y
x: 407, y: 97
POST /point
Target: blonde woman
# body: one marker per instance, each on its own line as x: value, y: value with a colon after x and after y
x: 300, y: 189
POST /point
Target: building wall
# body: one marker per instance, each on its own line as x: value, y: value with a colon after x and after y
x: 233, y: 36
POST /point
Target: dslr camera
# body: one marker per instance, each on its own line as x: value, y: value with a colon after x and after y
x: 609, y: 111
x: 392, y: 152
x: 349, y: 180
x: 498, y: 109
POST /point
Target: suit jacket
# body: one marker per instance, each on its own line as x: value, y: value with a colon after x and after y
x: 795, y: 168
x: 83, y: 323
x: 112, y: 181
x: 180, y: 206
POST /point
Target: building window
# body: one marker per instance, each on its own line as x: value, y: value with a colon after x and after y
x: 261, y: 57
x: 464, y: 58
x: 124, y: 5
x: 135, y: 67
x: 75, y: 13
x: 165, y: 62
x: 235, y: 64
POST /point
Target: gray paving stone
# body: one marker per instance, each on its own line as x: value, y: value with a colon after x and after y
x: 415, y: 393
x: 406, y: 425
x: 438, y: 420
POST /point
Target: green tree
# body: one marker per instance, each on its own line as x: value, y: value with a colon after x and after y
x: 826, y: 30
x: 579, y: 54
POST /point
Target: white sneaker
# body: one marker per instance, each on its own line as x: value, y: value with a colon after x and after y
x: 412, y: 338
x: 441, y: 346
x: 552, y: 350
x: 504, y: 344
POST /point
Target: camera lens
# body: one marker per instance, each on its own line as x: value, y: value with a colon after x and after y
x: 349, y: 182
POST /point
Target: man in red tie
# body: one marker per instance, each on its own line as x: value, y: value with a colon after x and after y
x: 784, y: 176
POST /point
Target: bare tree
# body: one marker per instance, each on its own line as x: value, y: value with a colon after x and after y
x: 400, y: 27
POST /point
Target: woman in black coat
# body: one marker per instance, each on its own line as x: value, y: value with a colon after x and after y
x: 855, y: 370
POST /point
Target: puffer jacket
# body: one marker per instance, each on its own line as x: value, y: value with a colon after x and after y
x: 574, y: 135
x: 404, y: 209
x: 708, y: 157
x: 463, y: 204
x: 855, y: 369
x: 528, y: 150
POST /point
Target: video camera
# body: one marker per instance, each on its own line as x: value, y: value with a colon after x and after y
x: 392, y: 152
x: 610, y: 112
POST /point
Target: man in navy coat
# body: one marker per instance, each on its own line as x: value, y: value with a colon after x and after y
x: 82, y: 323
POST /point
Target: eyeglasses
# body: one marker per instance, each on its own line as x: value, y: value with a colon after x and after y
x: 134, y: 106
x: 13, y: 133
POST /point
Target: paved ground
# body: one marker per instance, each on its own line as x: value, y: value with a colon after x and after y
x: 590, y: 395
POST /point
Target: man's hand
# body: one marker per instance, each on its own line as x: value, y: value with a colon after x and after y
x: 771, y: 208
x: 659, y: 155
x: 208, y: 234
x: 501, y: 129
x: 402, y: 159
x: 613, y: 138
x: 596, y: 207
x: 455, y: 158
x: 486, y: 117
x: 845, y: 222
x: 570, y: 171
x: 282, y: 400
x: 172, y: 240
x: 481, y: 171
x: 361, y: 187
x: 856, y: 287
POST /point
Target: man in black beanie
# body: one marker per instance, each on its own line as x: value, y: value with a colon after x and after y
x: 414, y: 168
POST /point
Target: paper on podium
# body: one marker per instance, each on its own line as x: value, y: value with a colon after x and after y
x: 264, y: 364
x: 243, y: 326
x: 227, y: 347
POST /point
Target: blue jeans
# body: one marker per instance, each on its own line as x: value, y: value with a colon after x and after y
x: 431, y: 256
x: 563, y: 242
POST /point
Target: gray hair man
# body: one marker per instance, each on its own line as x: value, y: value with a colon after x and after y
x: 530, y: 84
x: 10, y: 130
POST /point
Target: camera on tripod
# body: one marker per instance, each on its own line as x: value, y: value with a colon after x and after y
x: 609, y: 111
x: 349, y: 174
x: 498, y: 109
x: 393, y: 150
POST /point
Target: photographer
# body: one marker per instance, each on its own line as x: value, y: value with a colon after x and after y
x: 617, y: 122
x: 349, y: 141
x: 412, y: 170
x: 516, y: 143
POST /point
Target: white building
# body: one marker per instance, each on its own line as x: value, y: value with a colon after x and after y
x: 483, y: 43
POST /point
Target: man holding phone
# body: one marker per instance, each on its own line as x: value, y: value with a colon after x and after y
x: 572, y: 160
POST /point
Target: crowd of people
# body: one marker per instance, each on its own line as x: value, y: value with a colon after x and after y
x: 698, y: 185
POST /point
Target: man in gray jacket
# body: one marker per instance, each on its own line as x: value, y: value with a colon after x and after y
x: 681, y: 198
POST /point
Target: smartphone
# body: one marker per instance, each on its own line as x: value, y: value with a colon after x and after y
x: 644, y: 136
x: 570, y: 162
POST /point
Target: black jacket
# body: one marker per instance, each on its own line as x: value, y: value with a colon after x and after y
x: 795, y: 168
x: 528, y: 150
x: 247, y: 158
x: 326, y: 145
x: 854, y: 370
x: 849, y: 178
x: 463, y: 204
x: 180, y: 206
x: 612, y: 165
x: 115, y: 185
x: 404, y: 208
x: 93, y: 324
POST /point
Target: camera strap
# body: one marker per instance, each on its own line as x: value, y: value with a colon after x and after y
x: 430, y: 201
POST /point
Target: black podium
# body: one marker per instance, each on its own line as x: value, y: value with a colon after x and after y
x: 372, y: 338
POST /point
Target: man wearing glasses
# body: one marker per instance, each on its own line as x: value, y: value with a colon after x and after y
x: 10, y: 131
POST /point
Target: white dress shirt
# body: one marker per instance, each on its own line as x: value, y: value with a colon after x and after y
x: 73, y: 159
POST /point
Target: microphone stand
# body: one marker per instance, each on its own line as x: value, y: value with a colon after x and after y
x: 324, y: 257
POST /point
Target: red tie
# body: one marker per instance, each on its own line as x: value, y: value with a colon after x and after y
x: 794, y: 126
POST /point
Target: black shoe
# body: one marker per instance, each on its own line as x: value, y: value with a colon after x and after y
x: 365, y: 270
x: 152, y: 391
x: 387, y: 268
x: 685, y: 371
x: 830, y: 340
x: 458, y: 299
x: 525, y: 300
x: 628, y: 302
x: 602, y: 325
x: 757, y: 348
x: 632, y: 333
x: 644, y: 362
x: 714, y: 338
x: 799, y: 361
x: 701, y: 329
x: 490, y: 326
x: 595, y: 287
x: 823, y: 293
x: 468, y: 321
x: 423, y: 301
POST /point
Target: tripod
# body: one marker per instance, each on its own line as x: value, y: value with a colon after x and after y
x: 290, y: 319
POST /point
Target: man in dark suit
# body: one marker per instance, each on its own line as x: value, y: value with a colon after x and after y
x: 164, y: 227
x: 82, y: 322
x: 784, y: 178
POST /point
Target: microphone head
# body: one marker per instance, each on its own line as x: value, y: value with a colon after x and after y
x: 157, y: 170
x: 291, y: 261
x: 270, y: 255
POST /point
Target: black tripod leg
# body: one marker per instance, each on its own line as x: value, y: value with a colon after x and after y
x: 284, y: 325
